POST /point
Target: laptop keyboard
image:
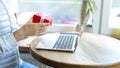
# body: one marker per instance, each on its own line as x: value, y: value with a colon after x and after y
x: 64, y: 42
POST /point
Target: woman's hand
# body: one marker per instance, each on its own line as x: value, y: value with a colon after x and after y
x: 40, y: 27
x: 34, y: 28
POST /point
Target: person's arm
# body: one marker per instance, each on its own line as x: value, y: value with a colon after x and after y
x: 25, y: 30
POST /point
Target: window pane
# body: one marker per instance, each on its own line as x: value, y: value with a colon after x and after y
x: 61, y: 11
x: 114, y: 20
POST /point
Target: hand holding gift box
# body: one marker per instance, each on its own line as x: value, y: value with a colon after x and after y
x: 40, y: 21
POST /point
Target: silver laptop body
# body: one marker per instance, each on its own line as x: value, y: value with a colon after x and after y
x: 58, y: 41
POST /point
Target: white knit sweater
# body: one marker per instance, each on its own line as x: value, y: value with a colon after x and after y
x: 7, y: 18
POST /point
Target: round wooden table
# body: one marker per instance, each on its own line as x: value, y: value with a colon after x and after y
x: 93, y: 51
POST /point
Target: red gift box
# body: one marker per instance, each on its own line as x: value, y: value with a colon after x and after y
x: 40, y: 18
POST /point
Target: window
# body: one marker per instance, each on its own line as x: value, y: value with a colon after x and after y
x: 110, y: 20
x: 61, y: 11
x: 114, y: 20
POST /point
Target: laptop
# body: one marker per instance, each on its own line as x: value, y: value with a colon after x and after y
x: 61, y: 41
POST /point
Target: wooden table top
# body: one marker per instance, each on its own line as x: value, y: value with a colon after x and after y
x: 24, y: 43
x: 93, y: 51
